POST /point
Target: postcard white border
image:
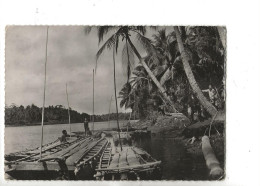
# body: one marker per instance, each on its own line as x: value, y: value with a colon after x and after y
x: 243, y: 63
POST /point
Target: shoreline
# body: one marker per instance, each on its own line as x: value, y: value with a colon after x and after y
x: 39, y: 124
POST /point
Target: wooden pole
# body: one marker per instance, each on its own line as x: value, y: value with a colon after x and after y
x: 109, y: 112
x: 68, y: 108
x: 93, y: 117
x: 43, y: 105
x: 116, y: 98
x: 211, y: 161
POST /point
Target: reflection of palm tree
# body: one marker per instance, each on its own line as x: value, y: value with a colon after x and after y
x: 123, y: 32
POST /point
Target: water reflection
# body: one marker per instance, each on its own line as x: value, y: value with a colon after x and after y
x: 177, y: 164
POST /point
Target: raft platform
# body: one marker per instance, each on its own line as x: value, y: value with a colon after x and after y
x: 82, y: 158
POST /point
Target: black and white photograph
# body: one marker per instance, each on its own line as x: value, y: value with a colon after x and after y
x: 115, y: 103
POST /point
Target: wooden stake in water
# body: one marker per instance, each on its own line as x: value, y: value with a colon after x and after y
x: 43, y: 105
x: 93, y: 118
x: 68, y: 108
x: 114, y: 61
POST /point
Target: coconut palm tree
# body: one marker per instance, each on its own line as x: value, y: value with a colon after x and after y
x: 169, y: 53
x: 124, y: 33
x: 185, y: 60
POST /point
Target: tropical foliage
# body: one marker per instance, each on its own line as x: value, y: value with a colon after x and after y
x: 205, y: 57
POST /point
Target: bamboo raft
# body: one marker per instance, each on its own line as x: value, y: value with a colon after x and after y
x: 82, y: 158
x: 130, y: 163
x: 59, y: 160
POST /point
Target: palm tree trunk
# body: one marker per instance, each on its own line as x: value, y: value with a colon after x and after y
x: 150, y: 73
x: 128, y: 62
x: 185, y: 60
x: 168, y: 73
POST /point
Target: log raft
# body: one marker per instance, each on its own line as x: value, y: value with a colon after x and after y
x: 82, y: 158
x: 58, y: 161
x: 131, y: 163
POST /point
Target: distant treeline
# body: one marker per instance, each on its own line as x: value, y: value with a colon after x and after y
x: 32, y: 115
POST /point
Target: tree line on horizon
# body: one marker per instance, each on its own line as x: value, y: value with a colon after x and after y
x: 32, y: 115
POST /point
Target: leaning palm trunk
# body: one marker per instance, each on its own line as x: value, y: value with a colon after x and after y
x: 185, y: 60
x: 168, y: 73
x: 151, y: 75
x: 211, y: 161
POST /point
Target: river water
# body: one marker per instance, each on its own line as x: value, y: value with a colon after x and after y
x: 177, y: 164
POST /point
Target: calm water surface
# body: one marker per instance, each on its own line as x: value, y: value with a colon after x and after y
x: 27, y: 137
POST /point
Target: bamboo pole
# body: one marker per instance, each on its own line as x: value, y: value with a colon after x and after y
x: 93, y: 117
x: 68, y: 108
x: 109, y: 112
x: 43, y: 105
x: 116, y: 97
x: 211, y: 161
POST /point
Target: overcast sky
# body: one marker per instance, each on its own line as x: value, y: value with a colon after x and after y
x: 71, y: 59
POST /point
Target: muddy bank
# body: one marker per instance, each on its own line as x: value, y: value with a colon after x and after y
x: 162, y: 127
x: 163, y: 122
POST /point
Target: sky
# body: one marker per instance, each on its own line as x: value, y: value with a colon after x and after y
x: 71, y: 59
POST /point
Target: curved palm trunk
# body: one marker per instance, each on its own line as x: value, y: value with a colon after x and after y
x: 168, y: 73
x: 185, y: 60
x: 150, y: 73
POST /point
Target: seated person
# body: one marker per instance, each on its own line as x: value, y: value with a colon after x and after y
x: 63, y: 137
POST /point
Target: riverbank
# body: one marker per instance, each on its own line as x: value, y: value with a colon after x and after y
x: 34, y: 124
x: 55, y: 123
x: 169, y: 127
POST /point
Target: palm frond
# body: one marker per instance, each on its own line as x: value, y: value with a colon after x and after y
x: 109, y: 44
x: 87, y: 29
x: 139, y: 29
x: 103, y: 30
x: 149, y: 48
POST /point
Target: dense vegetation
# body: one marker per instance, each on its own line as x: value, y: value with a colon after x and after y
x: 32, y: 115
x: 177, y: 66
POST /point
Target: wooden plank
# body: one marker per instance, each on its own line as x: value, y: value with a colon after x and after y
x: 67, y: 151
x: 122, y: 158
x: 54, y: 145
x: 132, y: 159
x: 104, y: 143
x: 127, y: 168
x: 37, y: 166
x: 139, y: 151
x: 76, y: 157
x: 115, y: 160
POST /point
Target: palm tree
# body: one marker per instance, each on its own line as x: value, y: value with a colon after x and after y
x: 126, y: 95
x: 166, y: 44
x: 124, y: 32
x: 185, y: 60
